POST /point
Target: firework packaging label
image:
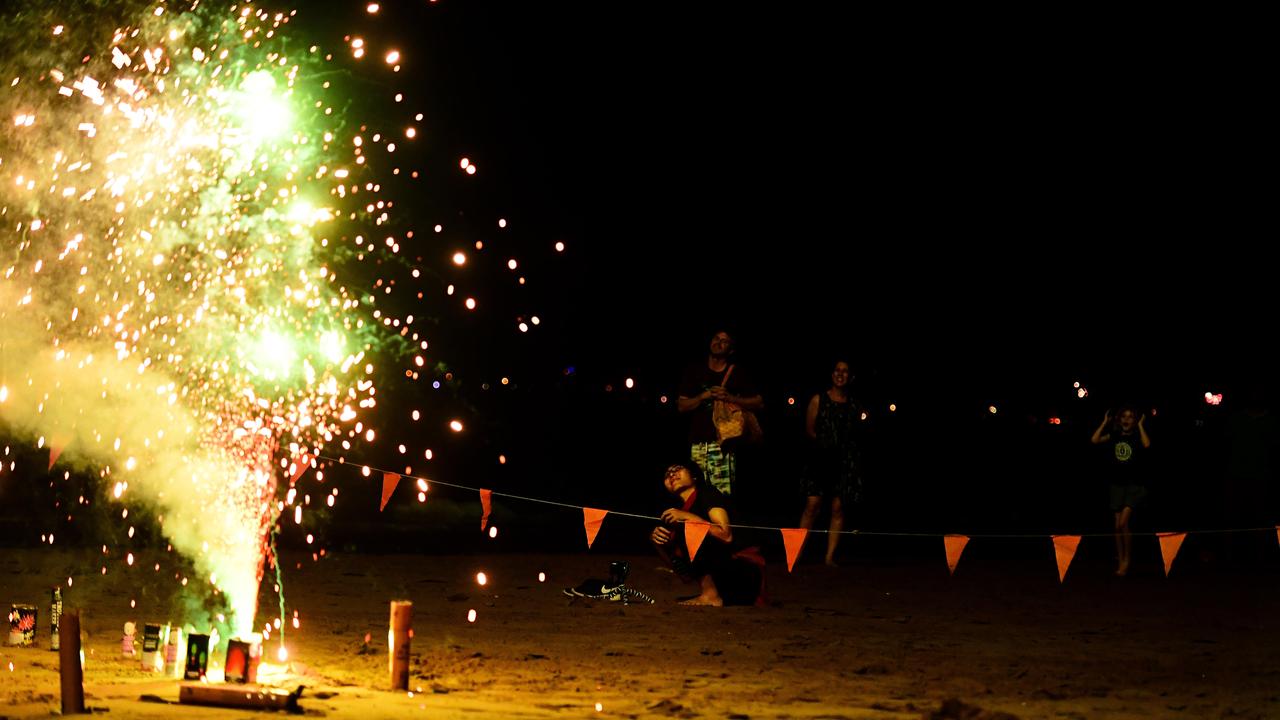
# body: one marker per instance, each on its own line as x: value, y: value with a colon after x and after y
x: 126, y: 640
x: 236, y: 667
x: 171, y: 652
x: 55, y: 616
x: 197, y: 656
x: 22, y: 625
x: 152, y: 657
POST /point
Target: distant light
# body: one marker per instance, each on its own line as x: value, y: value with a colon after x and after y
x: 991, y: 409
x: 1055, y: 421
x: 893, y: 407
x: 663, y: 399
x: 372, y: 8
x: 471, y: 303
x: 630, y: 383
x: 464, y: 163
x: 459, y: 258
x: 502, y: 459
x: 512, y: 264
x: 542, y: 577
x: 1213, y: 399
x: 559, y: 247
x: 455, y: 426
x: 481, y: 578
x: 471, y: 615
x: 1076, y: 384
x: 502, y: 222
x: 493, y: 531
x: 1081, y: 393
x: 393, y: 57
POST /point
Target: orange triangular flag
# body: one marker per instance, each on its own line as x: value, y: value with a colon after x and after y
x: 57, y: 443
x: 793, y: 541
x: 301, y: 467
x: 1065, y: 548
x: 955, y: 546
x: 389, y: 482
x: 591, y: 519
x: 694, y: 532
x: 1169, y: 545
x: 486, y: 505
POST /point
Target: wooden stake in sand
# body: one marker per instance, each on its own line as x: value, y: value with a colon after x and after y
x: 69, y: 667
x: 398, y: 640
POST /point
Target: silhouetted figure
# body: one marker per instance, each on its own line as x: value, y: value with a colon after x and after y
x: 832, y: 471
x: 718, y: 378
x: 725, y: 574
x: 1127, y: 437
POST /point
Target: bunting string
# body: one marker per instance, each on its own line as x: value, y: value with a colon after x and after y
x: 868, y: 533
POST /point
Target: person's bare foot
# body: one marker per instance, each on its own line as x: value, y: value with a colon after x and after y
x: 712, y: 601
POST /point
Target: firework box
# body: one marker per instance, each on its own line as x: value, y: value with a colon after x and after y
x: 237, y: 666
x: 127, y: 648
x: 152, y: 650
x: 22, y: 625
x: 55, y: 615
x: 172, y: 651
x: 197, y: 665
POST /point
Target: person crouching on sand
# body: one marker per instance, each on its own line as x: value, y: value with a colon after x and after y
x: 726, y: 574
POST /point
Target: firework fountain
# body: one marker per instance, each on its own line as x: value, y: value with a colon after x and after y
x: 173, y: 310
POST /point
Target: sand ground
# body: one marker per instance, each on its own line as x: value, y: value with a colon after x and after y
x: 867, y: 640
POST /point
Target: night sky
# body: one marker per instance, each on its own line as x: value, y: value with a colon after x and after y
x: 942, y: 194
x: 975, y: 211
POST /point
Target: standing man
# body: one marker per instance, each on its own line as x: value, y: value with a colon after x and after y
x: 718, y: 378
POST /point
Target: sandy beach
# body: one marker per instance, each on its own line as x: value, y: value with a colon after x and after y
x: 868, y: 640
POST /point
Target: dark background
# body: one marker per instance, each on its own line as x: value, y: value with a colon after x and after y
x: 974, y: 210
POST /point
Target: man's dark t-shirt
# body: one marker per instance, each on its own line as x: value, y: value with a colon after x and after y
x: 1128, y: 459
x: 696, y: 379
x: 713, y: 551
